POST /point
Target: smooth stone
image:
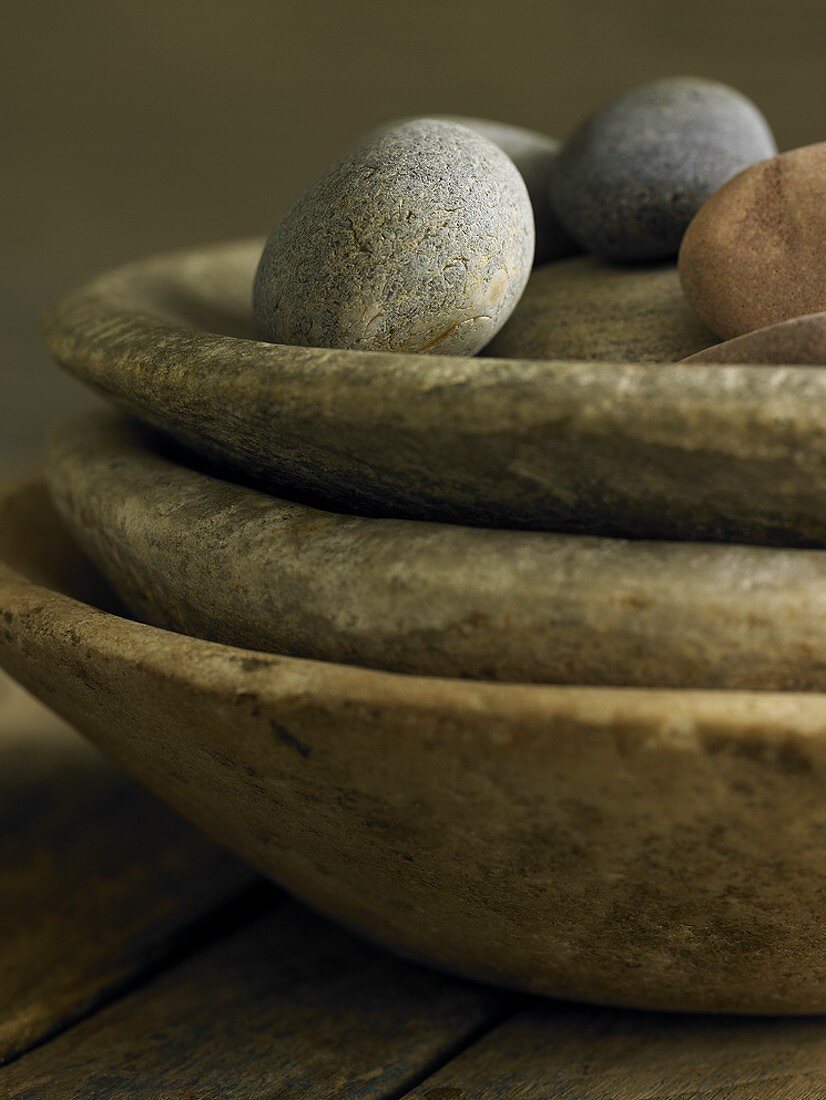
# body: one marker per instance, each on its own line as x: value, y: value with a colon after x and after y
x: 798, y: 340
x: 585, y: 309
x: 534, y: 155
x: 632, y: 176
x: 421, y: 240
x: 195, y: 554
x: 755, y: 253
x: 675, y: 451
x: 649, y: 848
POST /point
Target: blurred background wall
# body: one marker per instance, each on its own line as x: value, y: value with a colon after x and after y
x: 130, y: 126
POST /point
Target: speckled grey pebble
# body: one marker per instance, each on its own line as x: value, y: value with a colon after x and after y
x: 420, y: 240
x: 534, y: 155
x: 633, y: 175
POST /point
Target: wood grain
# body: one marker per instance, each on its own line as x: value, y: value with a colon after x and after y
x: 551, y: 445
x: 288, y: 1007
x: 98, y: 880
x: 191, y: 553
x: 663, y: 849
x: 571, y: 1053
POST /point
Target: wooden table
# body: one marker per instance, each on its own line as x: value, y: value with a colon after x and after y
x: 139, y: 960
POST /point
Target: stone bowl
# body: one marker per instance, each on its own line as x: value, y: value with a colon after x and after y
x: 652, y: 848
x: 680, y: 451
x: 197, y: 554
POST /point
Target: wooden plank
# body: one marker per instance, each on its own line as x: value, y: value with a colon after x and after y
x: 98, y: 880
x: 288, y: 1007
x: 550, y: 1053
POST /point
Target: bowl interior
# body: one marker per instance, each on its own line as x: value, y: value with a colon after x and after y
x: 35, y: 544
x: 197, y: 295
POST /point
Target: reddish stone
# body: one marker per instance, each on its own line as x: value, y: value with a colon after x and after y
x: 755, y: 254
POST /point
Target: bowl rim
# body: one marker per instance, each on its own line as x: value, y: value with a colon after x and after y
x: 178, y: 713
x: 99, y: 461
x: 34, y: 608
x: 70, y: 320
x: 614, y: 449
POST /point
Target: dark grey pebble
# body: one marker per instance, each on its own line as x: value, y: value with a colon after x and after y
x: 633, y: 175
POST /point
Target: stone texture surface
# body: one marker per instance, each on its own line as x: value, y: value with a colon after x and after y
x: 420, y: 240
x: 628, y: 181
x: 652, y: 848
x: 198, y: 555
x: 798, y: 340
x: 755, y: 253
x: 586, y: 309
x: 534, y: 155
x: 675, y: 451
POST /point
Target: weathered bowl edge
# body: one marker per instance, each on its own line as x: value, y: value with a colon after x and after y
x: 639, y: 450
x: 322, y: 775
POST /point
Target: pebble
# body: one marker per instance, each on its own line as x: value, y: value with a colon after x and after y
x: 800, y: 341
x: 585, y: 309
x: 630, y: 179
x: 756, y: 252
x: 534, y: 155
x: 421, y: 240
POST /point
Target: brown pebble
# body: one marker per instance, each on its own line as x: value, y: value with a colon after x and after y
x: 754, y: 254
x: 801, y: 340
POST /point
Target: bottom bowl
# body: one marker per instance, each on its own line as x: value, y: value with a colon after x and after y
x: 650, y: 848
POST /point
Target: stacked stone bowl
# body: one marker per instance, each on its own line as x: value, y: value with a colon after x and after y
x: 514, y: 663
